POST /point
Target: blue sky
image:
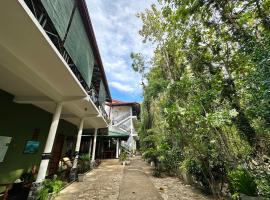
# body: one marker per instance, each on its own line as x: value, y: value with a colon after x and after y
x: 116, y: 28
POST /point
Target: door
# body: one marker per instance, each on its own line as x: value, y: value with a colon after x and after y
x: 56, y: 154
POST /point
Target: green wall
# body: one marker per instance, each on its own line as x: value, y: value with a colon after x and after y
x: 19, y: 122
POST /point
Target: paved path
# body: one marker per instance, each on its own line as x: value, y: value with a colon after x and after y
x: 112, y: 181
x: 135, y: 184
x: 100, y: 184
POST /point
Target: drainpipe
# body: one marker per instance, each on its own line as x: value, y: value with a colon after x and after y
x: 47, y: 152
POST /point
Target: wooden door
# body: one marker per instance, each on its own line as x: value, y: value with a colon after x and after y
x: 56, y: 154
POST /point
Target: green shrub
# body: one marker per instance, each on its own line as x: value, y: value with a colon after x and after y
x: 123, y: 156
x: 83, y: 163
x: 171, y: 160
x: 263, y: 184
x: 195, y: 168
x: 240, y: 181
x: 156, y: 173
x: 50, y: 186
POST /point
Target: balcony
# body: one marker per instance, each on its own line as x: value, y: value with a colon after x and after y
x: 36, y: 68
x: 65, y: 38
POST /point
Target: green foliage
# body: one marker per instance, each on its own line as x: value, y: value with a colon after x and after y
x: 207, y: 99
x: 240, y: 181
x: 85, y: 157
x: 123, y: 156
x: 83, y: 163
x: 50, y: 186
x: 263, y: 185
x: 171, y: 159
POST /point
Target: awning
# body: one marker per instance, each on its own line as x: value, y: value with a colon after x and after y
x: 117, y: 132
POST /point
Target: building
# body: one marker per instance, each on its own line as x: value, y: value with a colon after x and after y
x: 123, y: 116
x: 52, y: 85
x: 120, y: 134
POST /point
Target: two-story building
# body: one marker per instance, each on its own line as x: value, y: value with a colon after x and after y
x: 123, y: 116
x: 52, y: 85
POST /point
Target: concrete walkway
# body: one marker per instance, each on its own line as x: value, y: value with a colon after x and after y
x: 135, y: 184
x: 112, y: 181
x: 100, y: 184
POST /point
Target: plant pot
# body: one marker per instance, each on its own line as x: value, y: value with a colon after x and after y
x: 81, y: 177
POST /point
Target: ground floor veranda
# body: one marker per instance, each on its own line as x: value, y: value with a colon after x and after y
x: 24, y: 135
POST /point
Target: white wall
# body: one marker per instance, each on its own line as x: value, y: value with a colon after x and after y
x: 116, y: 113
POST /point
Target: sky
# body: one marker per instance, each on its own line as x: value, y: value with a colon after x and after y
x: 116, y: 29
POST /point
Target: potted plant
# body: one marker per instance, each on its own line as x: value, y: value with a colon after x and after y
x: 83, y: 166
x: 50, y: 188
x: 123, y: 157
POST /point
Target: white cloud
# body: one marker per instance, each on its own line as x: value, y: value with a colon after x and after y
x: 121, y: 87
x: 116, y: 28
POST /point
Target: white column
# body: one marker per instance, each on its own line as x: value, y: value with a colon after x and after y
x: 134, y: 145
x: 117, y: 148
x: 78, y: 144
x: 49, y: 144
x: 90, y: 147
x: 131, y: 135
x: 120, y: 147
x: 94, y: 146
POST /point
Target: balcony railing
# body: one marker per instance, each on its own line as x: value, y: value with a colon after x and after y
x: 103, y: 112
x: 94, y: 97
x: 125, y: 127
x: 121, y: 118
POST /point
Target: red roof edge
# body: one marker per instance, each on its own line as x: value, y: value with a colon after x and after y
x: 121, y: 103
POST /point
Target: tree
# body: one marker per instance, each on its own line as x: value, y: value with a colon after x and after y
x: 208, y: 85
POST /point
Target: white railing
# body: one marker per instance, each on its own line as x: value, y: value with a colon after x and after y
x: 121, y: 118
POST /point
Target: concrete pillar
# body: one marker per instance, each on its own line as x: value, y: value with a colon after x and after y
x: 49, y: 144
x: 73, y: 171
x: 94, y: 146
x: 120, y: 147
x: 78, y: 144
x: 46, y: 154
x: 117, y: 148
x: 90, y: 147
x: 134, y: 146
x: 133, y: 140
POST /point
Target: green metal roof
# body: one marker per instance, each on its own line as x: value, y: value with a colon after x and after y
x: 117, y: 132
